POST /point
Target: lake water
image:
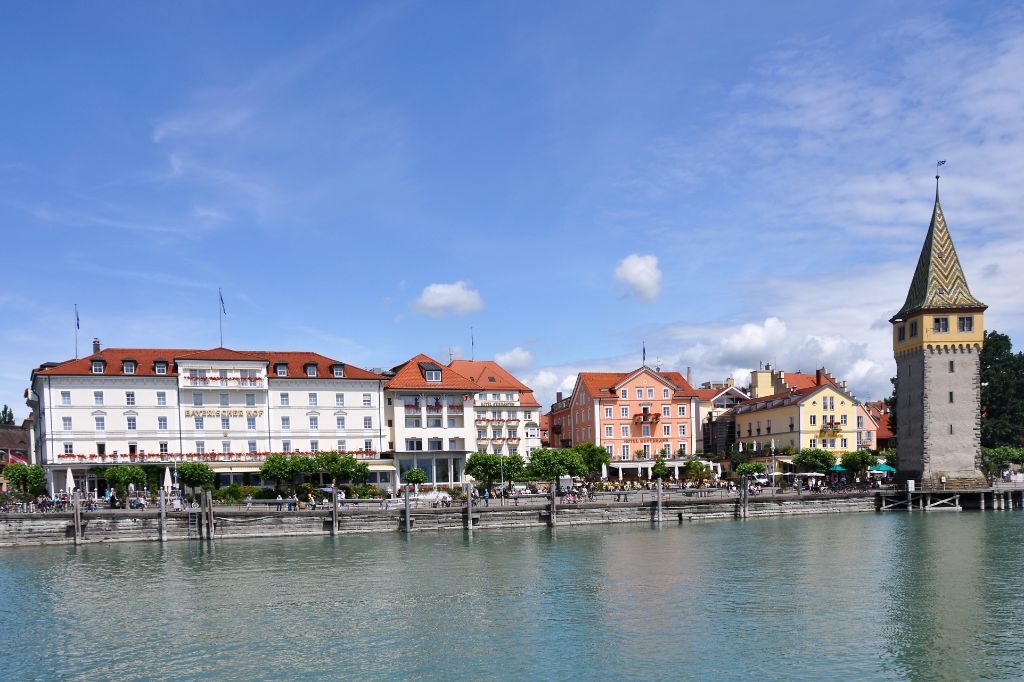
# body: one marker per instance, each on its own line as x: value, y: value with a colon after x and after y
x: 864, y: 596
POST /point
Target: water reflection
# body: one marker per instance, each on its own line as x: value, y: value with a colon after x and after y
x: 867, y: 596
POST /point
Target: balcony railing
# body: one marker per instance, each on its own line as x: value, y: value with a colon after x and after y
x: 480, y: 421
x: 168, y: 459
x: 412, y: 406
x: 512, y: 422
x: 223, y: 382
x: 434, y: 408
x: 455, y: 408
x: 646, y: 418
x: 498, y: 422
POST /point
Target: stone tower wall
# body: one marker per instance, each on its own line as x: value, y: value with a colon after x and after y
x: 952, y: 454
x: 910, y: 377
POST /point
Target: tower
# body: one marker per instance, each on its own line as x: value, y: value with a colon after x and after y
x: 937, y: 337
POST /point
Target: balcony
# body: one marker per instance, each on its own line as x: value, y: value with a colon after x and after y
x: 830, y: 428
x: 646, y: 418
x: 412, y: 406
x: 481, y: 421
x: 168, y: 459
x: 498, y: 440
x: 512, y: 422
x: 498, y: 422
x: 455, y: 408
x: 222, y: 382
x: 513, y: 440
x: 435, y: 408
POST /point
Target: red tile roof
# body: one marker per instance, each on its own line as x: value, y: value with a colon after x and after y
x: 146, y: 359
x: 602, y: 384
x: 410, y: 375
x: 489, y: 374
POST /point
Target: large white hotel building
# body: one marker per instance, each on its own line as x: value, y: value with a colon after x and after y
x: 232, y: 408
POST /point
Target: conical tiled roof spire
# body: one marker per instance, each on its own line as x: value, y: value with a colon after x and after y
x: 939, y: 280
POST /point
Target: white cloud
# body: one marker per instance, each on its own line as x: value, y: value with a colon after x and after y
x: 439, y: 300
x: 641, y: 275
x: 515, y: 359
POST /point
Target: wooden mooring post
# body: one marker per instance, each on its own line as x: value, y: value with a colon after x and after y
x: 334, y: 509
x: 554, y: 502
x: 208, y: 496
x: 76, y: 506
x: 660, y: 515
x: 163, y: 515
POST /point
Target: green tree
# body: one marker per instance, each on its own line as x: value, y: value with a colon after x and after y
x: 125, y: 475
x: 696, y: 470
x: 342, y: 467
x: 891, y: 402
x: 515, y: 468
x: 485, y: 467
x: 1002, y: 392
x: 750, y: 469
x: 276, y: 468
x: 814, y: 459
x: 6, y: 416
x: 414, y: 476
x: 859, y: 461
x: 594, y: 456
x: 739, y: 456
x: 993, y: 461
x: 303, y: 465
x: 28, y: 478
x: 195, y: 474
x: 659, y: 470
x: 889, y: 455
x: 549, y: 465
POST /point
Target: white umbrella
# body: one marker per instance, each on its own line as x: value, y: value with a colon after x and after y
x: 70, y: 484
x: 776, y: 473
x: 167, y: 478
x: 815, y: 475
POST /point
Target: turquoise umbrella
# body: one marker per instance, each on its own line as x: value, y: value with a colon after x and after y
x: 884, y: 467
x: 837, y: 467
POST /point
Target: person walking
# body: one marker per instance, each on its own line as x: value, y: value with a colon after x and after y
x: 248, y: 502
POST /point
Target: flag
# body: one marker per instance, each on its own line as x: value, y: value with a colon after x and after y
x: 645, y: 351
x: 78, y: 324
x: 14, y: 456
x: 222, y: 308
x: 940, y: 163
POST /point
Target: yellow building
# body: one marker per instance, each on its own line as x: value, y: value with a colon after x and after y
x: 797, y: 410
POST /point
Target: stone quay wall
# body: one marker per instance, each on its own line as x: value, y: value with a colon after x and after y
x: 134, y: 526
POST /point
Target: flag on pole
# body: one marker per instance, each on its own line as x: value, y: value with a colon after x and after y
x: 644, y: 351
x: 78, y: 324
x: 940, y: 163
x: 222, y: 308
x: 15, y: 456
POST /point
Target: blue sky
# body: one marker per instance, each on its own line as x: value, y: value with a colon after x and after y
x: 730, y: 182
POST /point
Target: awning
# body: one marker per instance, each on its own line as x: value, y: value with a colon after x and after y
x: 784, y: 460
x: 382, y: 467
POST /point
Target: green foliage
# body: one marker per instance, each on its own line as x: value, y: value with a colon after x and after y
x: 342, y: 467
x: 787, y: 451
x: 303, y: 465
x: 1002, y: 392
x: 858, y: 461
x: 28, y: 478
x: 995, y: 460
x: 696, y: 470
x: 484, y: 467
x: 593, y: 456
x: 414, y: 476
x: 889, y: 455
x: 660, y: 470
x: 276, y: 468
x: 750, y: 468
x: 6, y: 416
x: 814, y: 459
x: 738, y: 457
x: 891, y: 402
x: 196, y: 474
x: 368, y: 491
x: 515, y: 468
x: 124, y: 475
x: 547, y: 464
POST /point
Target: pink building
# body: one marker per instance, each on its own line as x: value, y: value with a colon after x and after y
x: 635, y: 416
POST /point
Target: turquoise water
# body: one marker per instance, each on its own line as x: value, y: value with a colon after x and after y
x: 863, y: 596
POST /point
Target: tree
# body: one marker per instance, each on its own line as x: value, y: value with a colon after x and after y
x: 195, y: 474
x: 485, y: 467
x: 858, y: 461
x: 1002, y: 392
x: 29, y: 479
x: 814, y: 459
x: 659, y: 470
x: 276, y: 468
x: 123, y: 476
x: 302, y: 465
x: 750, y: 469
x: 414, y: 476
x: 889, y: 455
x: 342, y: 467
x: 550, y: 465
x: 515, y: 468
x: 6, y: 416
x: 696, y: 470
x: 594, y: 456
x: 891, y: 403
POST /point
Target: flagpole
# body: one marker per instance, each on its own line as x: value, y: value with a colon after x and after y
x: 220, y: 315
x: 76, y: 331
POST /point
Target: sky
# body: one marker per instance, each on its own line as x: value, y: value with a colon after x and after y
x: 553, y: 185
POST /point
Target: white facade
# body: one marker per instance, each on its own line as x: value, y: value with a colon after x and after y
x: 431, y: 430
x: 504, y: 426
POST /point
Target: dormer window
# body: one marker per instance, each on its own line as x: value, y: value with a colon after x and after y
x: 339, y: 371
x: 160, y: 368
x: 129, y: 367
x: 97, y: 366
x: 282, y: 370
x: 433, y: 375
x: 310, y: 370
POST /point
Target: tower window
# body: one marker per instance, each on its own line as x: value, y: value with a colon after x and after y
x: 951, y: 396
x: 965, y: 323
x: 901, y: 332
x: 951, y: 429
x: 940, y: 325
x: 951, y: 366
x: 913, y: 329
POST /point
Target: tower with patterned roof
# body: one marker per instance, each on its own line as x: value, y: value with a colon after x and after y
x: 937, y: 337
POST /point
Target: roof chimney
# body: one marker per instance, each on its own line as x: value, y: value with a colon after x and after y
x: 558, y: 397
x: 95, y: 346
x: 819, y: 376
x: 689, y: 375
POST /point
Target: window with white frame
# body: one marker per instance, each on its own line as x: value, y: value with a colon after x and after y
x: 282, y: 370
x: 341, y: 445
x: 97, y: 397
x: 161, y: 423
x: 682, y: 411
x: 66, y: 423
x: 201, y: 447
x: 608, y: 432
x: 129, y: 398
x: 645, y: 430
x: 200, y: 423
x: 250, y: 399
x: 367, y: 445
x: 432, y: 375
x: 101, y: 423
x: 286, y: 446
x: 339, y: 371
x: 682, y: 449
x: 129, y: 367
x: 639, y: 394
x: 624, y: 430
x: 197, y: 399
x: 252, y: 446
x: 285, y: 399
x: 314, y: 423
x: 312, y: 399
x: 225, y: 423
x: 665, y: 411
x: 131, y: 423
x: 162, y: 447
x: 666, y: 430
x: 813, y: 443
x: 843, y: 443
x: 65, y: 397
x: 314, y: 446
x: 607, y: 413
x: 650, y: 393
x: 286, y: 423
x: 340, y: 422
x: 310, y: 370
x: 623, y: 394
x: 623, y: 412
x: 97, y: 367
x: 339, y: 399
x: 664, y: 393
x: 250, y: 423
x: 161, y: 368
x: 223, y: 399
x: 843, y: 419
x: 625, y: 452
x: 161, y: 398
x: 367, y: 422
x: 69, y: 448
x: 366, y: 400
x: 813, y: 421
x: 225, y: 446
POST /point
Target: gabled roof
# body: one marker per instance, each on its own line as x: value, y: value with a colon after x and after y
x: 410, y: 375
x: 114, y: 358
x: 708, y: 395
x: 222, y: 353
x: 489, y: 374
x: 939, y: 281
x: 606, y: 384
x: 787, y: 398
